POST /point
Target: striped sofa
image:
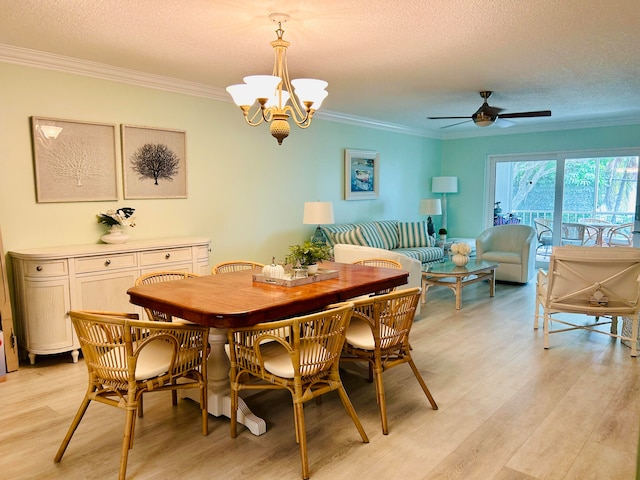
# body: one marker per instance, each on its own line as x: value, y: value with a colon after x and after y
x: 408, y: 238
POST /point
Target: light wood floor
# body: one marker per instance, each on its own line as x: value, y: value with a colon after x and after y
x: 508, y: 410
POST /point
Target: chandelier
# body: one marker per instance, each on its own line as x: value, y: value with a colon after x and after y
x: 275, y: 98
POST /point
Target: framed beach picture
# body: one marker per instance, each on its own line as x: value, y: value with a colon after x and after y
x: 74, y: 161
x: 361, y: 174
x: 154, y: 162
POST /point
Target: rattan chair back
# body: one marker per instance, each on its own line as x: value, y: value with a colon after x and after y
x: 159, y: 277
x: 300, y: 355
x: 127, y: 357
x: 234, y: 266
x: 379, y: 334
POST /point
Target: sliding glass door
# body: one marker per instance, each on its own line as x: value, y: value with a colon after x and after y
x: 569, y: 198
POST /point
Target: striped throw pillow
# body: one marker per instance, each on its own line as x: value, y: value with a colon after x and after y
x: 389, y: 232
x: 413, y: 234
x: 351, y: 237
x: 330, y: 230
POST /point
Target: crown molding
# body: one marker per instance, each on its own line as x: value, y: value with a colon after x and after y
x: 61, y: 63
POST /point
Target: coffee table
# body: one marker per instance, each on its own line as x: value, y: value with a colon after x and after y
x: 448, y: 274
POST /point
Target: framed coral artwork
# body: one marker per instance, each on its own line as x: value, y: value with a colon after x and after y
x: 74, y: 161
x: 154, y: 162
x: 361, y: 174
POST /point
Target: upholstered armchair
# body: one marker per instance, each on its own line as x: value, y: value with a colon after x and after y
x: 513, y: 247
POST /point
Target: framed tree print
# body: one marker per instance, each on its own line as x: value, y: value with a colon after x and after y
x: 154, y: 162
x: 74, y: 161
x: 361, y: 174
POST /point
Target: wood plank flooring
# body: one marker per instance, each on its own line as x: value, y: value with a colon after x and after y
x: 508, y: 410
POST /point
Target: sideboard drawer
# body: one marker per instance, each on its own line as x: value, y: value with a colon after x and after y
x: 47, y: 268
x: 169, y: 255
x: 105, y: 262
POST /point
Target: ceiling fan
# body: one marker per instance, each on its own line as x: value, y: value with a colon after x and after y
x: 486, y: 115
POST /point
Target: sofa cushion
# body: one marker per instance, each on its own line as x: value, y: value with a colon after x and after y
x: 422, y: 254
x: 414, y: 234
x: 350, y: 237
x: 372, y: 235
x: 389, y: 232
x: 329, y: 230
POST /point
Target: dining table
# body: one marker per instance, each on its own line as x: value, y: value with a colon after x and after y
x: 234, y: 299
x: 600, y: 228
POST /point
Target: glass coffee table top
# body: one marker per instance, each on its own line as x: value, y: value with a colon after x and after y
x: 449, y: 268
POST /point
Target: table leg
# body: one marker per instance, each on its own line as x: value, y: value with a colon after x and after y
x: 492, y: 282
x: 458, y: 293
x: 219, y: 398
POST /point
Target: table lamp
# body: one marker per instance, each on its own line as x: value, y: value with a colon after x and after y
x: 318, y: 213
x: 444, y: 185
x: 430, y: 206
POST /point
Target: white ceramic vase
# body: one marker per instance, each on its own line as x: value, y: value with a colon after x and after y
x: 115, y: 235
x: 312, y: 269
x: 460, y: 260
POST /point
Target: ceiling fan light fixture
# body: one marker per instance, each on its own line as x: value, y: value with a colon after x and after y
x: 482, y: 120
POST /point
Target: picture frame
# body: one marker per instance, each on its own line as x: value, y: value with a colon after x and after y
x: 361, y: 174
x: 154, y: 162
x: 74, y: 161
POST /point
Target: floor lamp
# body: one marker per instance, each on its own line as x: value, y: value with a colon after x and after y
x: 444, y: 185
x: 430, y: 206
x: 318, y: 213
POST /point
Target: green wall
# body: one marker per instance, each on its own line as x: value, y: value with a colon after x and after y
x: 244, y: 191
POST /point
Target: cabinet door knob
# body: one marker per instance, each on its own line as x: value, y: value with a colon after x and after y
x: 39, y: 268
x: 107, y: 263
x: 167, y: 256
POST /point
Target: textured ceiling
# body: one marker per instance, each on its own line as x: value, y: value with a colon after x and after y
x: 392, y: 62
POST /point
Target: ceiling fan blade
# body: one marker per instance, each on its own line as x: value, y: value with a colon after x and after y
x: 503, y: 123
x: 444, y: 118
x: 539, y: 113
x: 454, y: 124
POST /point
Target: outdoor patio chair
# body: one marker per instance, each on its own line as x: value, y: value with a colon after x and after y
x: 544, y: 233
x: 620, y: 236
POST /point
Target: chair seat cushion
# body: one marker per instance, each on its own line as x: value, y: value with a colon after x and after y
x: 503, y: 257
x: 277, y: 360
x: 359, y: 334
x: 153, y: 360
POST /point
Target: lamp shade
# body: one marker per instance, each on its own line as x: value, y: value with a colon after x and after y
x: 444, y: 184
x: 430, y: 206
x: 318, y: 213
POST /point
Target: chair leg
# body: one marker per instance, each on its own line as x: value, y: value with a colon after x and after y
x: 301, y: 436
x: 348, y: 406
x: 204, y: 405
x: 422, y: 384
x: 140, y: 407
x: 234, y: 413
x: 72, y: 428
x: 614, y: 325
x: 382, y: 403
x: 545, y: 330
x: 127, y: 442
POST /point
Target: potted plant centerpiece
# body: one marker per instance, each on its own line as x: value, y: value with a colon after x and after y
x: 308, y: 255
x: 443, y: 235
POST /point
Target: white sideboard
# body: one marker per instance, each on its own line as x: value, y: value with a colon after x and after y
x: 49, y: 282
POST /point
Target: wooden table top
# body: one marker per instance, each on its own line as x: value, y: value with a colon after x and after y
x: 235, y: 300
